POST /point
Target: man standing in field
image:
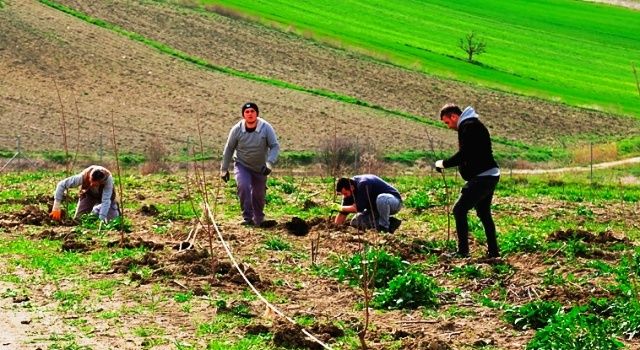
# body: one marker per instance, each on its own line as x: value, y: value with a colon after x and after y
x: 374, y: 201
x: 97, y: 194
x: 253, y: 144
x: 476, y: 165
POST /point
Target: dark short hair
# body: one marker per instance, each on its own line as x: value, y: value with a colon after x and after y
x: 97, y: 175
x: 343, y: 183
x: 449, y: 108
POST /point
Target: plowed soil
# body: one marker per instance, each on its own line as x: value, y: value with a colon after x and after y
x: 152, y: 95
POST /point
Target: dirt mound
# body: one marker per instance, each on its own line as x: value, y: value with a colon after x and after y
x: 297, y: 226
x: 51, y: 234
x: 249, y: 272
x: 268, y: 224
x: 131, y: 243
x: 71, y: 245
x: 290, y: 336
x: 604, y: 237
x: 32, y: 215
x: 191, y: 256
x: 123, y: 265
x: 426, y: 343
x: 194, y: 262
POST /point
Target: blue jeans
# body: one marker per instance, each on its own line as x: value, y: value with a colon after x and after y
x: 252, y: 189
x: 476, y: 193
x: 386, y: 205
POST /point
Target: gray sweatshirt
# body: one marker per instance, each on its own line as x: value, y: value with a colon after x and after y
x: 251, y: 149
x: 76, y: 181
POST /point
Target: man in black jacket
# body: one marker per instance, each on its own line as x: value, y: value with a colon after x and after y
x: 476, y: 165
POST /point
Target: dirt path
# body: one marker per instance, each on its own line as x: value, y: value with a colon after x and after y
x: 13, y: 323
x: 632, y: 4
x: 578, y: 168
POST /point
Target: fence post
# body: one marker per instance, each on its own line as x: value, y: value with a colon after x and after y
x: 591, y: 162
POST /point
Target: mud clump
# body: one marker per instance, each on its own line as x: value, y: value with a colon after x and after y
x: 256, y: 329
x: 149, y: 210
x: 297, y: 226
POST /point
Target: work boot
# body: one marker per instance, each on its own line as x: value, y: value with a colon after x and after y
x: 394, y: 223
x: 246, y: 223
x: 383, y: 229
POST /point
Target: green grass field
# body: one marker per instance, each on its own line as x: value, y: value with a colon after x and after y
x: 574, y: 52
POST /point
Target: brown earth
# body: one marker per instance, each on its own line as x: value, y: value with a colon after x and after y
x: 151, y: 95
x: 150, y: 297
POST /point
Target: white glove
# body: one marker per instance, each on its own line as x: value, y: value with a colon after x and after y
x: 269, y: 166
x: 439, y: 165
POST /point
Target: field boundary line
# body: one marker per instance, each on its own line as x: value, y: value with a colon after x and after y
x: 202, y: 63
x: 225, y: 245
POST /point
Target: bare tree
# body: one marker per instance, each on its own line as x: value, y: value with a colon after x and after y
x: 635, y: 73
x: 472, y: 45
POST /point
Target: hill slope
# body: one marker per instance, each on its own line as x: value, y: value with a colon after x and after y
x: 151, y: 94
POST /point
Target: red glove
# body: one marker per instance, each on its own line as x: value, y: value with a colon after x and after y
x: 56, y: 214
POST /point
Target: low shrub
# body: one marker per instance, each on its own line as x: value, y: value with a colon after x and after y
x: 408, y: 291
x: 533, y: 315
x: 379, y: 264
x: 418, y: 200
x: 575, y: 331
x: 277, y: 243
x: 519, y: 241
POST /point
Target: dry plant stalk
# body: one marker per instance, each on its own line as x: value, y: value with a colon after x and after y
x: 63, y: 126
x: 205, y: 197
x: 446, y: 187
x: 120, y: 190
x: 75, y: 156
x: 315, y: 244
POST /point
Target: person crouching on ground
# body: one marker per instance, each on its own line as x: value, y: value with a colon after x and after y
x: 476, y: 165
x: 372, y: 199
x: 254, y: 146
x: 97, y: 194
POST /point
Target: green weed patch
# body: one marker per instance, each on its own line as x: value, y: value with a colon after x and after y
x: 408, y: 291
x: 380, y: 266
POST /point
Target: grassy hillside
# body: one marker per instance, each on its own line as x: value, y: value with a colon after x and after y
x: 570, y: 51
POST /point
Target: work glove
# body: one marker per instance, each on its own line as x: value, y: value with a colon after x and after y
x: 439, y: 165
x: 266, y: 169
x: 224, y: 175
x: 56, y: 213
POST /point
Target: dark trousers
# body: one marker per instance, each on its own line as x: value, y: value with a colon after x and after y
x: 252, y: 191
x: 476, y: 193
